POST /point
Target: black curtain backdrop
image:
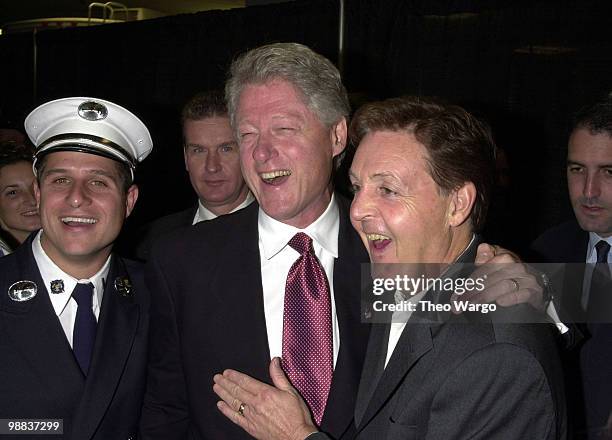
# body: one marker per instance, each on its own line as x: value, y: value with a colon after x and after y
x: 525, y: 66
x: 16, y: 79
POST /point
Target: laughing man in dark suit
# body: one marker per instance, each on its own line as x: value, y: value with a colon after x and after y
x: 219, y: 288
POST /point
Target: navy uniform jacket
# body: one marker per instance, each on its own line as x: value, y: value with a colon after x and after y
x: 39, y: 375
x: 207, y: 305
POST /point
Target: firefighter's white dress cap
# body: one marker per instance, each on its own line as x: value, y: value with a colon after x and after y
x: 89, y: 125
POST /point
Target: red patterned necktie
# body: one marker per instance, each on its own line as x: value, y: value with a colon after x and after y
x: 307, y: 328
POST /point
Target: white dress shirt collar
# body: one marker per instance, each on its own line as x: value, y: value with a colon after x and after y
x: 4, y: 248
x: 274, y: 235
x: 49, y: 272
x: 591, y: 252
x: 204, y: 214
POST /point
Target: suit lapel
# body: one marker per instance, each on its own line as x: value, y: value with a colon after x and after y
x: 117, y: 325
x: 373, y: 368
x: 189, y: 215
x: 579, y: 245
x: 254, y: 322
x: 571, y: 295
x: 415, y: 341
x: 244, y: 287
x: 353, y: 333
x: 37, y: 333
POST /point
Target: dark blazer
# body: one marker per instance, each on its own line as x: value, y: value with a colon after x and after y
x: 566, y: 243
x: 588, y: 383
x: 464, y: 378
x: 207, y: 305
x: 39, y: 375
x: 159, y: 227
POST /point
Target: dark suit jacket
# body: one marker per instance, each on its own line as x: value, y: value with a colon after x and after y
x: 464, y: 378
x: 39, y: 375
x: 566, y: 243
x: 159, y: 227
x: 207, y: 305
x: 589, y: 383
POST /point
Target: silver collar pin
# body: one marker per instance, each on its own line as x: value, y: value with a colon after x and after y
x: 22, y: 291
x: 57, y: 286
x: 123, y: 286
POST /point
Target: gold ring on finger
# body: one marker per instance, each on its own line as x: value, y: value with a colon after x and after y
x: 516, y: 284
